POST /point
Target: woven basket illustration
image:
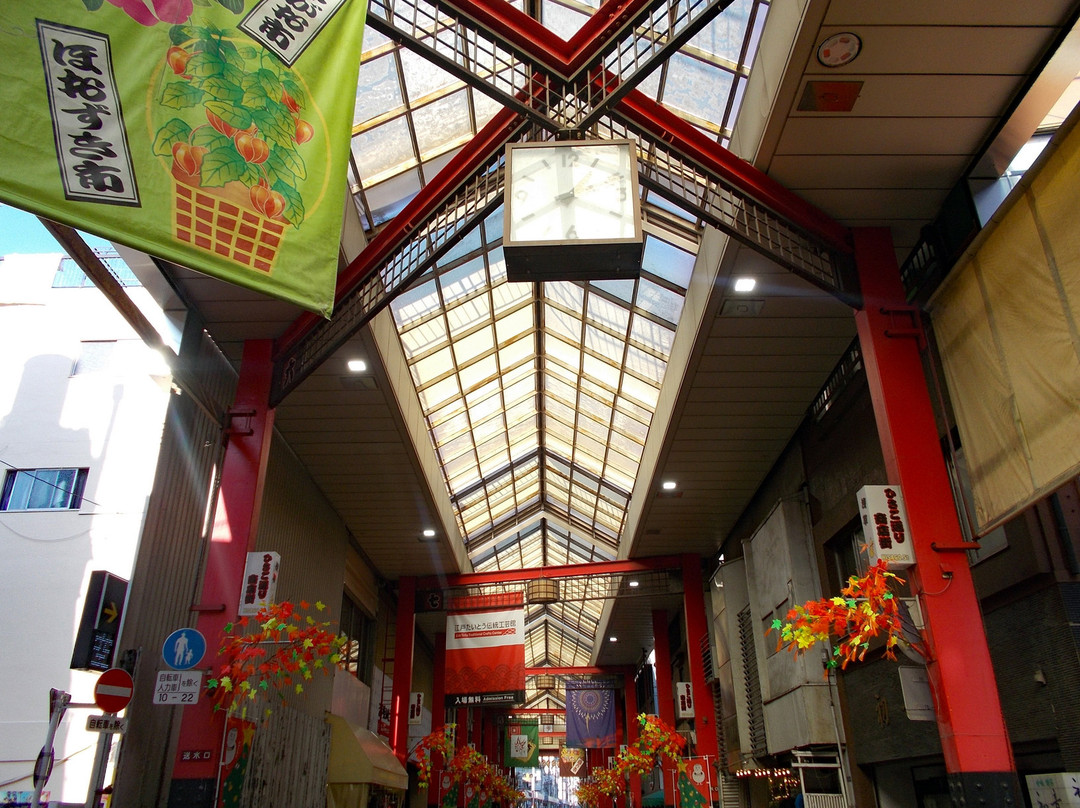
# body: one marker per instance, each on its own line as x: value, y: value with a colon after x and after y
x: 215, y: 220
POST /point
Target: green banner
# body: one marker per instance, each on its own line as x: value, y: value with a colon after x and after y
x: 522, y: 748
x: 212, y: 133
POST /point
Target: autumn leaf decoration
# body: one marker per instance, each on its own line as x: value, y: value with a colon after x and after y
x: 286, y: 649
x: 866, y: 608
x: 440, y: 742
x: 656, y: 742
x: 466, y: 765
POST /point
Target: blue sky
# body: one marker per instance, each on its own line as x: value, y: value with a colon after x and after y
x: 21, y: 232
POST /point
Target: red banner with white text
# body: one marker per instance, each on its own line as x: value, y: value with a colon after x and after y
x: 485, y: 651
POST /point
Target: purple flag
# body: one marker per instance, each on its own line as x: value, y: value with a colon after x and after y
x: 590, y: 714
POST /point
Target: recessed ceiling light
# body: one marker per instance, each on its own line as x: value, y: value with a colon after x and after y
x: 429, y: 533
x: 635, y: 583
x: 668, y: 485
x: 745, y: 284
x: 612, y: 639
x: 357, y: 365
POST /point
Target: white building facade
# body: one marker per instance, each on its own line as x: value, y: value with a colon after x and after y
x: 82, y: 405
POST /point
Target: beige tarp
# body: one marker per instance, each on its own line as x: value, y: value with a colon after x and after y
x: 1006, y: 322
x: 358, y: 755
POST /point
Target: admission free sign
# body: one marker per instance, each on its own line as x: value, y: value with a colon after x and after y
x: 212, y: 133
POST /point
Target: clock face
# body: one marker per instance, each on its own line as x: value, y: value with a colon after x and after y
x: 581, y: 191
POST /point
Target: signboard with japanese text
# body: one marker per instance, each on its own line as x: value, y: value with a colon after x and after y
x: 684, y: 700
x: 105, y: 723
x: 1054, y: 790
x: 260, y: 582
x: 885, y: 526
x: 213, y: 134
x: 177, y: 687
x: 485, y: 651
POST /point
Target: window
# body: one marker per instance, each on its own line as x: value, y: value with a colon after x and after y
x: 69, y: 275
x: 96, y: 356
x: 358, y: 652
x: 43, y: 489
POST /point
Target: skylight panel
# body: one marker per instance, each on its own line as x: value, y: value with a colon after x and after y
x: 378, y: 90
x: 384, y: 150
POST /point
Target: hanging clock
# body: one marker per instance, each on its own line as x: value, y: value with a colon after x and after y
x: 572, y: 211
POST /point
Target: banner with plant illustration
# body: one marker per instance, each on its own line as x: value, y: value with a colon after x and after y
x: 211, y: 133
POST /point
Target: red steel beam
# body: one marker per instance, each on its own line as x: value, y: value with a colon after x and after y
x: 668, y: 127
x: 474, y: 154
x: 619, y: 670
x: 673, y: 562
x: 531, y: 38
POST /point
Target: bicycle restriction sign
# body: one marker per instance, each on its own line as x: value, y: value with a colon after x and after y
x: 178, y: 687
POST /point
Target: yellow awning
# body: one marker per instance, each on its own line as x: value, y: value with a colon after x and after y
x: 358, y: 755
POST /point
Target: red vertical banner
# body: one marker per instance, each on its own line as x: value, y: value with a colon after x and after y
x: 234, y: 760
x: 485, y: 650
x: 699, y: 775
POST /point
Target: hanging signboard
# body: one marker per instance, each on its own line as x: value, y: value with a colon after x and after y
x: 684, y: 700
x: 214, y: 134
x: 260, y: 583
x: 485, y: 650
x: 885, y: 526
x: 416, y: 707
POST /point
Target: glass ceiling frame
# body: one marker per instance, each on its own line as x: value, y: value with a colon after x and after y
x: 538, y: 398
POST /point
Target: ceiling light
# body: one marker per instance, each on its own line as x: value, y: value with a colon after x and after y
x: 613, y: 639
x: 429, y: 533
x: 357, y: 365
x: 668, y: 485
x: 635, y: 583
x: 745, y: 284
x: 542, y: 590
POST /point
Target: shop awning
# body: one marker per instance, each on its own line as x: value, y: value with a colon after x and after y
x: 358, y: 755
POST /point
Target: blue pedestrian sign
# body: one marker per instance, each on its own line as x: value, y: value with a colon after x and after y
x: 183, y: 649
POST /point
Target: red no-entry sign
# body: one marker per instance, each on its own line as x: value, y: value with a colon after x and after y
x: 113, y: 690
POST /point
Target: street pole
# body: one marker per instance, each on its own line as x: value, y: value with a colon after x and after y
x: 58, y: 703
x: 97, y: 778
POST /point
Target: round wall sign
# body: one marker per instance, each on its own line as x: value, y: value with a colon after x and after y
x: 839, y: 49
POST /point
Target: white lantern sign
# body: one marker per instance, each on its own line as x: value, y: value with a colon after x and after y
x: 885, y: 526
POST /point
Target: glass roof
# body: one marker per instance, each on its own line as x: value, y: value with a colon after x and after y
x: 538, y: 397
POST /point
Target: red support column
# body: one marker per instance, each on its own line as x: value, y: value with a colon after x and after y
x: 978, y: 756
x: 438, y: 710
x: 633, y: 731
x: 665, y: 696
x: 697, y: 640
x: 236, y: 519
x: 404, y: 631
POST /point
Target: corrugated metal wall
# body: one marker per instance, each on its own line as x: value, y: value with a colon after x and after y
x: 296, y: 521
x: 168, y: 568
